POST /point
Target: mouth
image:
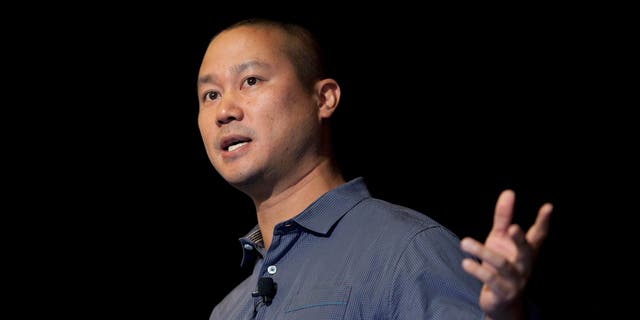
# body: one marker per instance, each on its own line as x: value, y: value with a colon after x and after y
x: 232, y: 143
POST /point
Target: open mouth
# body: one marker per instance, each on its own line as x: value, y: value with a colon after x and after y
x: 233, y: 143
x: 236, y: 146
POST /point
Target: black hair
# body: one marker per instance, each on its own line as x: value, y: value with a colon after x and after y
x: 304, y: 50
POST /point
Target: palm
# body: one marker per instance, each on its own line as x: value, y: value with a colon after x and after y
x: 501, y: 242
x: 507, y: 256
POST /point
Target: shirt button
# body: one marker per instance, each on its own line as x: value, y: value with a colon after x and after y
x: 248, y: 246
x: 272, y: 269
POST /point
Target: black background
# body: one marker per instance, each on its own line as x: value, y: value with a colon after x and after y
x: 118, y: 212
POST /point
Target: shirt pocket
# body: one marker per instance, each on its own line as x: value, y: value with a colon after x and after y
x: 319, y: 302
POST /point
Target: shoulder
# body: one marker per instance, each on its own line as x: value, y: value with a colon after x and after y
x: 420, y: 259
x: 377, y: 212
x: 394, y: 225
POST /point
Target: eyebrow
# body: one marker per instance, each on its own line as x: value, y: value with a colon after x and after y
x: 237, y: 69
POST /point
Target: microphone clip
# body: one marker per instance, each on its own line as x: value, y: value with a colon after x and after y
x: 266, y: 289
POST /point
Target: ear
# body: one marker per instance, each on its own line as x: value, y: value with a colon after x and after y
x: 328, y: 93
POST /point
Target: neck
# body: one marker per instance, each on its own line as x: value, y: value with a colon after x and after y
x: 290, y: 200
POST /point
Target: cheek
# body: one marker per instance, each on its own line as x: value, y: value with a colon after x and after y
x: 280, y: 114
x: 205, y: 123
x: 266, y: 112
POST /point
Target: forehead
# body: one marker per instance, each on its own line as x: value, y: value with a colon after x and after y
x: 247, y: 42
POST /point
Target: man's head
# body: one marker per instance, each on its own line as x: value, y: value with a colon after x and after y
x: 263, y: 101
x: 300, y: 46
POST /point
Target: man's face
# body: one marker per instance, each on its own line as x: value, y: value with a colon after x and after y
x: 257, y: 121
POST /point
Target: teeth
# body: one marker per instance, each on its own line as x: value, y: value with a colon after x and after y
x: 236, y: 146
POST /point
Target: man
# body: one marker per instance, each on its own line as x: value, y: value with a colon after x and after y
x: 323, y: 247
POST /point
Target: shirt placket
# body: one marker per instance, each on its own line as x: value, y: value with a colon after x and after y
x: 284, y: 236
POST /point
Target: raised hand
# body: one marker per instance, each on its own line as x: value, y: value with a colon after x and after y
x: 507, y: 256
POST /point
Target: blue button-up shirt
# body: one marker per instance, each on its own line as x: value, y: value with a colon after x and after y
x: 351, y: 256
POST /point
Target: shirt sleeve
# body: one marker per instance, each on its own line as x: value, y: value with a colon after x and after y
x: 428, y: 281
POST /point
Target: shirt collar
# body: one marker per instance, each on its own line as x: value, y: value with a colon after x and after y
x: 252, y: 244
x: 319, y: 217
x: 324, y: 213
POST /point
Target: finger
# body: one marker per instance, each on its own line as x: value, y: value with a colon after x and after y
x: 504, y: 211
x: 538, y: 231
x: 487, y: 276
x: 495, y: 260
x: 517, y: 235
x: 524, y: 255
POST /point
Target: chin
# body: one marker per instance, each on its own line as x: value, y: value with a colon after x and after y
x: 241, y: 180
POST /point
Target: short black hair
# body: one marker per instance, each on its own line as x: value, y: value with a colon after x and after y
x: 304, y: 51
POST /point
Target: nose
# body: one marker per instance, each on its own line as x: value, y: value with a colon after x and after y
x: 228, y: 111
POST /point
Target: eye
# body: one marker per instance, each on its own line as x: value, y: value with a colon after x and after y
x: 252, y: 81
x: 211, y: 95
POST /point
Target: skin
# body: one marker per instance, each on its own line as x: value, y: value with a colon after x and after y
x: 248, y: 91
x: 507, y: 256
